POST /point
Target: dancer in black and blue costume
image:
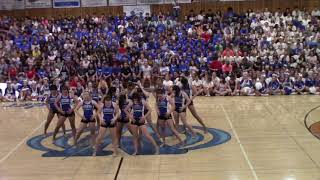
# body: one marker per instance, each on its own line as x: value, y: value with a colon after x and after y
x: 144, y: 95
x: 64, y: 105
x: 52, y: 110
x: 112, y: 92
x: 139, y: 111
x: 96, y: 96
x: 186, y: 88
x: 79, y: 89
x: 109, y: 114
x: 181, y: 101
x: 88, y: 117
x: 165, y: 107
x: 103, y: 87
x: 124, y: 119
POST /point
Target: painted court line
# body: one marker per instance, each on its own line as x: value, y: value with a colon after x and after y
x: 21, y: 142
x: 118, y: 170
x: 239, y: 142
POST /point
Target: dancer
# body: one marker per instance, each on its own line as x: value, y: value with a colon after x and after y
x: 112, y: 92
x: 182, y: 101
x: 186, y: 88
x: 145, y: 95
x: 96, y: 96
x: 52, y: 110
x: 87, y: 119
x: 63, y: 104
x: 140, y: 110
x: 165, y: 107
x: 109, y: 113
x: 123, y: 120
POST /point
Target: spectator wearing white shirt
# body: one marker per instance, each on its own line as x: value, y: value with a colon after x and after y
x: 207, y: 85
x: 215, y: 79
x: 202, y: 58
x: 164, y: 69
x: 193, y: 68
x: 196, y: 83
x: 312, y: 58
x: 142, y: 60
x: 178, y: 82
x: 167, y: 83
x: 146, y: 70
x: 316, y: 13
x: 222, y: 89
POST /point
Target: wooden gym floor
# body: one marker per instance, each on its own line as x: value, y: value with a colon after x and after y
x: 269, y: 141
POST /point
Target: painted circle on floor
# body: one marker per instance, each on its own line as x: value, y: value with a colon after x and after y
x: 62, y: 148
x: 314, y: 128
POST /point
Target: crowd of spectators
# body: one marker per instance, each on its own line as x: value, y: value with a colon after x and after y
x: 222, y: 53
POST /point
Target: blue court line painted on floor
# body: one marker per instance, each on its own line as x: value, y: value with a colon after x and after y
x: 62, y: 141
x: 83, y: 149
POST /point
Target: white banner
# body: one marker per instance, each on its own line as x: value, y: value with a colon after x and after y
x: 122, y: 2
x: 150, y: 1
x: 137, y: 9
x: 66, y: 3
x: 11, y: 4
x: 38, y: 3
x: 93, y: 3
x: 177, y: 1
x: 3, y: 86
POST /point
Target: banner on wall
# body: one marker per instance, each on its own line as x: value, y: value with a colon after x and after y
x: 122, y: 2
x: 38, y: 3
x: 150, y: 1
x: 177, y: 1
x: 144, y: 9
x: 11, y: 4
x: 93, y: 3
x: 66, y: 3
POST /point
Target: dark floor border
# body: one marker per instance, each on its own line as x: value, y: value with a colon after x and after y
x: 118, y: 170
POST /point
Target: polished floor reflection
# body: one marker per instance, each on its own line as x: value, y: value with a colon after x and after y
x: 264, y: 138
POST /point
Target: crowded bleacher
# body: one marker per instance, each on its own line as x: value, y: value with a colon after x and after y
x: 256, y: 53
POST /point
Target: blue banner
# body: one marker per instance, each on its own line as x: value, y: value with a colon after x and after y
x: 66, y: 3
